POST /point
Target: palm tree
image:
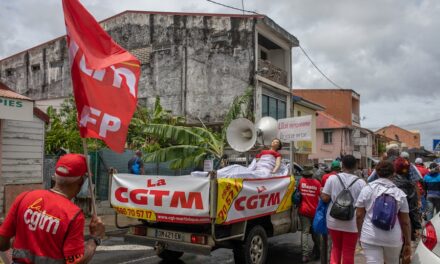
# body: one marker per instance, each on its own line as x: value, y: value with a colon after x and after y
x: 189, y: 146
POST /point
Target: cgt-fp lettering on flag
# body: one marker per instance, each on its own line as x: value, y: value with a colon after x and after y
x: 104, y: 77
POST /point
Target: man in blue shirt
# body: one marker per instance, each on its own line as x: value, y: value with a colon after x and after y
x: 432, y: 187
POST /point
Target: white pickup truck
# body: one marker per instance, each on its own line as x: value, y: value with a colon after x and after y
x: 178, y: 214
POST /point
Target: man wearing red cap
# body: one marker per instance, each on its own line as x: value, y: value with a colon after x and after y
x: 47, y: 226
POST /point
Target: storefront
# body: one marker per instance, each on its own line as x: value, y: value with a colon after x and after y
x: 22, y: 129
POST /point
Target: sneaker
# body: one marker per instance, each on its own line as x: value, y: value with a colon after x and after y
x: 305, y: 259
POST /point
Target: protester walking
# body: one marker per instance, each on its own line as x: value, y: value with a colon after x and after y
x: 404, y: 182
x: 335, y: 168
x: 423, y: 171
x: 46, y: 226
x: 382, y: 216
x: 135, y: 164
x: 392, y: 154
x: 309, y: 189
x: 342, y: 191
x: 432, y: 186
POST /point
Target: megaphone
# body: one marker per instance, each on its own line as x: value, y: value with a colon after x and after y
x: 242, y: 134
x: 267, y: 129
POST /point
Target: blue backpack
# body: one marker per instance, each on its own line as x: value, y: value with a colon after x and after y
x: 135, y: 167
x: 384, y: 211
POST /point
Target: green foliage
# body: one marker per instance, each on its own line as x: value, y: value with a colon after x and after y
x: 188, y: 146
x: 62, y: 131
x: 138, y: 139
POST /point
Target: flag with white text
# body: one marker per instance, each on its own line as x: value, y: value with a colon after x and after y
x: 104, y: 78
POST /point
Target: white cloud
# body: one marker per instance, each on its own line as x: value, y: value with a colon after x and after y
x: 385, y: 50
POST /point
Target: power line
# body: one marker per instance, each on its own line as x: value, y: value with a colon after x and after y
x: 305, y: 53
x: 317, y: 68
x: 232, y: 7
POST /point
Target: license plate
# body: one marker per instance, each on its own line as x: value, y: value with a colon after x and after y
x: 168, y: 235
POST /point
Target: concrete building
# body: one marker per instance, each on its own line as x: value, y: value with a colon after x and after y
x: 195, y: 63
x: 343, y: 104
x: 408, y: 139
x: 21, y: 146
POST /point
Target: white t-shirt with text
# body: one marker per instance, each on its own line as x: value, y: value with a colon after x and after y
x: 333, y: 187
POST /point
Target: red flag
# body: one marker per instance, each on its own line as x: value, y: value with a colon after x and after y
x: 104, y: 77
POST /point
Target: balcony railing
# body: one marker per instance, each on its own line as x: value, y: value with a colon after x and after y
x: 272, y: 72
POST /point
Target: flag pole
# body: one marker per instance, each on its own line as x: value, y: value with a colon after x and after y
x: 91, y: 185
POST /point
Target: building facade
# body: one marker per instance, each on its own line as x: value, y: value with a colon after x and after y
x: 303, y: 107
x: 195, y: 63
x: 407, y: 139
x: 343, y: 104
x: 22, y: 129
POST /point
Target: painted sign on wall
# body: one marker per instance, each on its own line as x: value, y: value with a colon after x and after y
x: 16, y: 109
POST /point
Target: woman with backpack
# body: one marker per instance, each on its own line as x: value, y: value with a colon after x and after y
x: 342, y: 191
x: 402, y: 179
x: 382, y: 216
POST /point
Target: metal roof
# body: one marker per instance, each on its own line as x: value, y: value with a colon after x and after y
x: 326, y: 121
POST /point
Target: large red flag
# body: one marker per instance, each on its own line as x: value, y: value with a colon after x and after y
x: 104, y: 76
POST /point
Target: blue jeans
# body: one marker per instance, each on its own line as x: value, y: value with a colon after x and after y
x: 433, y: 203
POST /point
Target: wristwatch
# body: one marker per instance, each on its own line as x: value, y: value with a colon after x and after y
x: 96, y: 239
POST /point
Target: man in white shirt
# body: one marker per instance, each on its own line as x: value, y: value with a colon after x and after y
x: 344, y: 233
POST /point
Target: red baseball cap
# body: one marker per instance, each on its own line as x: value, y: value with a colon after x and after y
x: 71, y: 165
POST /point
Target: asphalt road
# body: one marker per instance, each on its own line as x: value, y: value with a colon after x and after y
x: 282, y: 249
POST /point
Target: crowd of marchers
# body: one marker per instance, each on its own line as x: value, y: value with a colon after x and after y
x: 382, y: 214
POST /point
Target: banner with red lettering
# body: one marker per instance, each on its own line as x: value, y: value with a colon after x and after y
x: 173, y: 199
x: 244, y: 199
x: 104, y: 77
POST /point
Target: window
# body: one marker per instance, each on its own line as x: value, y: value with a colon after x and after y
x: 263, y: 55
x: 9, y: 72
x: 298, y: 113
x: 35, y: 67
x: 328, y: 137
x: 273, y: 107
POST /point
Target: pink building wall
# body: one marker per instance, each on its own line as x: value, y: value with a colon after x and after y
x: 340, y: 143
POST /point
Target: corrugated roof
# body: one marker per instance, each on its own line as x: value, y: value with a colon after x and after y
x: 8, y: 93
x: 326, y: 121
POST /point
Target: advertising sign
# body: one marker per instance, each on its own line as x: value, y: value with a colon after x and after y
x: 174, y: 199
x: 243, y: 199
x: 295, y: 128
x: 15, y: 109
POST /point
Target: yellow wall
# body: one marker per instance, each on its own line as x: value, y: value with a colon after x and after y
x: 303, y: 112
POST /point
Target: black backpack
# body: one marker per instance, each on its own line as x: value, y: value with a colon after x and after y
x: 343, y: 207
x: 409, y: 188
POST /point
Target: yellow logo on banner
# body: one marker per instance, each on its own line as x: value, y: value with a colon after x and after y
x: 136, y: 213
x: 228, y: 190
x: 286, y: 203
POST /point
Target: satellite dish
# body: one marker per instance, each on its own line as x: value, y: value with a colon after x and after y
x: 241, y: 134
x: 267, y: 130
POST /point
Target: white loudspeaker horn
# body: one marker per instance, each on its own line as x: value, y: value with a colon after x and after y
x: 241, y: 134
x: 267, y: 130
